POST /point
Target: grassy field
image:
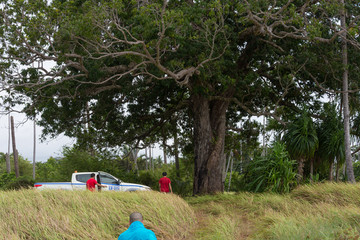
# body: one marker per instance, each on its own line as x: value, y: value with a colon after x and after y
x: 323, y: 211
x: 318, y: 212
x: 31, y: 214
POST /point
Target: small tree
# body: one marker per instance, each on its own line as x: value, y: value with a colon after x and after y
x: 331, y: 138
x: 301, y: 140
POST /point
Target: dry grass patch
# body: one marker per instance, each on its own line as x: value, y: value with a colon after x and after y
x: 327, y: 211
x: 221, y: 216
x: 31, y: 214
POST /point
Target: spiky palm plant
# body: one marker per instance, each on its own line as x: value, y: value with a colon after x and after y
x: 301, y: 140
x: 274, y: 172
x: 331, y: 137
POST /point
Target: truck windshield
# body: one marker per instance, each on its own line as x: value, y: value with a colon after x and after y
x: 105, y: 178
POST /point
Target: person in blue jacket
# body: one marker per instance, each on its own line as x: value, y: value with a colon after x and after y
x: 137, y: 231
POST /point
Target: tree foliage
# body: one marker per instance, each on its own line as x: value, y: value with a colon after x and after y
x: 9, y: 180
x: 301, y: 137
x: 125, y: 69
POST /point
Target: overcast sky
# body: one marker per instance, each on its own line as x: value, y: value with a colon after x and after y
x: 24, y: 134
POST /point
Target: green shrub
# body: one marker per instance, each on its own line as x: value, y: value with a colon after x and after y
x: 274, y: 172
x: 236, y: 183
x: 6, y: 178
x: 181, y: 185
x: 357, y: 171
x: 8, y: 181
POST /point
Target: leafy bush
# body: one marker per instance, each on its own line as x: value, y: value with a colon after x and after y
x: 236, y: 183
x: 274, y: 172
x: 357, y: 171
x: 5, y: 178
x: 25, y: 166
x: 181, y: 185
x: 9, y: 181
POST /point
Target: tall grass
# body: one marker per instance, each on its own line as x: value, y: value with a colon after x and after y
x: 222, y: 216
x: 30, y: 214
x: 325, y: 211
x: 319, y: 212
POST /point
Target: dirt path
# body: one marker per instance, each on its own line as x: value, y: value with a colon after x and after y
x: 204, y: 229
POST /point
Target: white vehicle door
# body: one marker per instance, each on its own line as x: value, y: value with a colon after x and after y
x: 80, y: 181
x: 110, y: 181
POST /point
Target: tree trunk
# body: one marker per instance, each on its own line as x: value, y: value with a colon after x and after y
x: 176, y: 151
x: 164, y: 150
x: 209, y: 139
x: 34, y: 150
x: 264, y: 137
x: 16, y: 163
x: 337, y: 171
x: 89, y: 145
x: 311, y: 170
x: 331, y: 171
x: 300, y: 170
x: 134, y: 153
x: 231, y: 170
x: 146, y: 160
x: 151, y: 160
x: 7, y: 158
x: 226, y: 167
x: 348, y: 159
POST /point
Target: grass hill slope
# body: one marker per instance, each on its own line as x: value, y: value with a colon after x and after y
x: 31, y: 214
x: 327, y: 211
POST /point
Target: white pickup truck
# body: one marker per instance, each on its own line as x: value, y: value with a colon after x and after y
x: 78, y: 182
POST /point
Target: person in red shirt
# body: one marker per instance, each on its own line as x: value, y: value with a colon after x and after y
x: 91, y: 183
x: 165, y: 184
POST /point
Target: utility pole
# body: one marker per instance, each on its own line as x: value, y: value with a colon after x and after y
x: 15, y: 152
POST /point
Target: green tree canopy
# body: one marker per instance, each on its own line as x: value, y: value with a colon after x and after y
x: 123, y: 69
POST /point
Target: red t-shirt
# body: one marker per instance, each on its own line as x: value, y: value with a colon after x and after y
x: 164, y: 184
x: 90, y: 184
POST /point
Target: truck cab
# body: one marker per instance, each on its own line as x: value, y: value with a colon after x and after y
x: 79, y: 179
x: 112, y: 183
